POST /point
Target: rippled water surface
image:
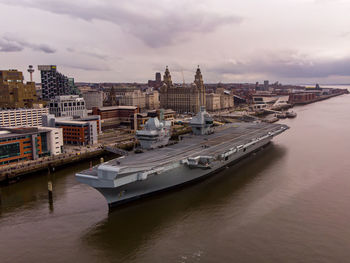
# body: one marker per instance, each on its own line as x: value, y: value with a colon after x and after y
x: 288, y: 203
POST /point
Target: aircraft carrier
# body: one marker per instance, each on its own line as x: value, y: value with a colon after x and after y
x: 205, y: 152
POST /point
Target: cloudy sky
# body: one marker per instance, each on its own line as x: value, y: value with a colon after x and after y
x: 291, y: 41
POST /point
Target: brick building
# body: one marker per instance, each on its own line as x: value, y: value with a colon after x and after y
x: 122, y: 113
x: 78, y: 131
x: 302, y: 97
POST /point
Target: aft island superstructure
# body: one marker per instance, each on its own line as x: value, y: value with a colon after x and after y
x: 205, y: 152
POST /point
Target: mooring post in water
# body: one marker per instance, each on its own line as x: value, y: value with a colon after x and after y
x: 101, y: 160
x: 50, y: 187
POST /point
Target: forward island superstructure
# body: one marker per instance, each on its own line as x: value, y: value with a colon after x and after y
x: 204, y: 152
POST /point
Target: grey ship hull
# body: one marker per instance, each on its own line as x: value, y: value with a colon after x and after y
x: 137, y: 175
x: 174, y: 178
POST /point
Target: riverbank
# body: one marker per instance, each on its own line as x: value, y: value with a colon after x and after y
x: 13, y: 172
x: 320, y: 98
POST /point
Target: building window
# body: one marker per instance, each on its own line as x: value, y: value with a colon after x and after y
x: 9, y: 150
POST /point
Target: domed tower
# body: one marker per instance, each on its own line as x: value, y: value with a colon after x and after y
x: 167, y: 77
x: 198, y: 80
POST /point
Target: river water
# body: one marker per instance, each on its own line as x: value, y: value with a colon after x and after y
x: 288, y: 203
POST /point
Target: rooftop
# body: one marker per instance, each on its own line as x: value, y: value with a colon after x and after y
x: 13, y: 132
x: 118, y: 108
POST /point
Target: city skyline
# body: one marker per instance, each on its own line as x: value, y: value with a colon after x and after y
x: 294, y: 42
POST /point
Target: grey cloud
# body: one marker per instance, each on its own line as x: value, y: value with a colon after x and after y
x: 87, y: 67
x: 88, y: 53
x: 9, y: 46
x: 13, y: 44
x: 156, y: 23
x: 287, y: 68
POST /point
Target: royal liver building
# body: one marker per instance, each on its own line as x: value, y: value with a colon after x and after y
x: 182, y: 98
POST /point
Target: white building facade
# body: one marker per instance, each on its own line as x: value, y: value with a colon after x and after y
x: 55, y: 140
x: 68, y: 106
x: 22, y: 117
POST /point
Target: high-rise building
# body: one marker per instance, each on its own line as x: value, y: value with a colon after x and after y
x: 73, y: 89
x: 266, y: 85
x: 14, y: 93
x: 184, y: 98
x: 53, y: 83
x: 158, y: 77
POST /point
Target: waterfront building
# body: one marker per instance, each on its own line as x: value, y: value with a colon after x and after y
x: 269, y: 101
x: 77, y: 131
x: 221, y: 99
x: 183, y: 98
x: 22, y: 117
x: 226, y: 98
x: 53, y: 83
x: 22, y: 144
x: 14, y: 93
x: 68, y: 106
x: 93, y: 99
x: 303, y: 97
x: 213, y: 102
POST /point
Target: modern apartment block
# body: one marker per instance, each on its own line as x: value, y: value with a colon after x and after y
x: 53, y: 83
x: 22, y: 117
x: 68, y: 106
x: 21, y: 144
x: 14, y: 93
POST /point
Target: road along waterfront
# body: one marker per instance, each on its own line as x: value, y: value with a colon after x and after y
x: 287, y: 203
